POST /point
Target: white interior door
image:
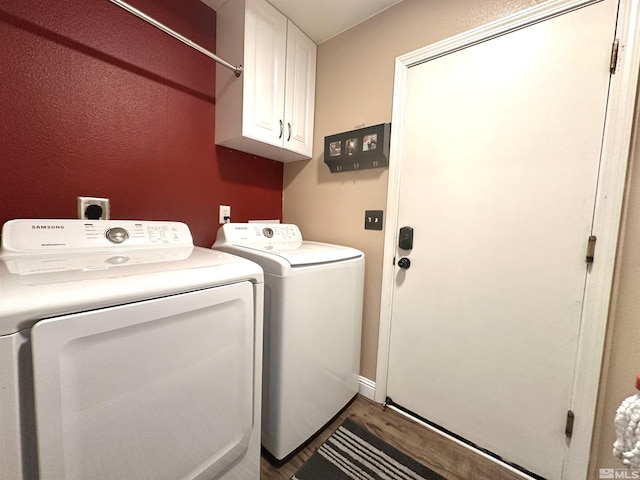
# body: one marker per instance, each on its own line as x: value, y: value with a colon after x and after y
x: 500, y: 156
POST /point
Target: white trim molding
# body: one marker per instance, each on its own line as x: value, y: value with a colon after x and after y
x: 608, y: 208
x: 367, y: 388
x: 606, y: 226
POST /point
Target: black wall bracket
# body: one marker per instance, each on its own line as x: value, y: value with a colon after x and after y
x: 358, y: 149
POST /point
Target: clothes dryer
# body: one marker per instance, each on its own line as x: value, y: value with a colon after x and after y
x: 126, y: 352
x: 313, y: 318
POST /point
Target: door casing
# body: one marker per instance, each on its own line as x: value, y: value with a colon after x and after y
x: 608, y: 208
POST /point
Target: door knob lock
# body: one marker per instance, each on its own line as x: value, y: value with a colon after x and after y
x: 404, y: 263
x: 405, y: 238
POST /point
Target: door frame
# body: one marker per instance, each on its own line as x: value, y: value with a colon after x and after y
x: 608, y: 206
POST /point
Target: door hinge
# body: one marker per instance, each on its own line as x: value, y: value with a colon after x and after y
x: 614, y: 56
x: 591, y: 248
x: 568, y: 428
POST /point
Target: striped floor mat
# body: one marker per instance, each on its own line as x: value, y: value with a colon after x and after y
x: 351, y: 452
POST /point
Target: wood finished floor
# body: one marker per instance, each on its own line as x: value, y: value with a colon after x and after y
x: 435, y: 451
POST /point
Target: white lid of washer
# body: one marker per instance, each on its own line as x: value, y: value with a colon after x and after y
x: 281, y: 240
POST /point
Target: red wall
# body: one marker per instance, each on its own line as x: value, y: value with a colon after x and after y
x: 95, y: 102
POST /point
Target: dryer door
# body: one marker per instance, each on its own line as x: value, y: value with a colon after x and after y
x: 160, y: 389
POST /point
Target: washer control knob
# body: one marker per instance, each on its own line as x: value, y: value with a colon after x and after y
x: 117, y: 235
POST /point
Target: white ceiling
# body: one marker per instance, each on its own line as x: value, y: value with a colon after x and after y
x: 323, y: 19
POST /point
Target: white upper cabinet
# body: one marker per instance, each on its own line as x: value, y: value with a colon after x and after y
x: 268, y: 110
x: 265, y: 51
x: 300, y: 91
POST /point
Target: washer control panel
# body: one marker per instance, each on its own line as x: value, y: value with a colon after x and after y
x: 33, y: 236
x: 259, y: 233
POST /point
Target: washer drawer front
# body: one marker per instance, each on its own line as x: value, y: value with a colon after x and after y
x: 161, y: 389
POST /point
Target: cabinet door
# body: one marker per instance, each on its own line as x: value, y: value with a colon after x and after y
x: 300, y: 91
x: 264, y: 71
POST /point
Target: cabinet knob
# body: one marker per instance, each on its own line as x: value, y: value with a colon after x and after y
x: 289, y: 125
x: 281, y: 129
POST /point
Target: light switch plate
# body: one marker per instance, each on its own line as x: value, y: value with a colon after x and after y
x: 373, y: 220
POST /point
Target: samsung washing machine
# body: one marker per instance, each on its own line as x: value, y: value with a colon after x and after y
x: 126, y: 353
x: 312, y: 322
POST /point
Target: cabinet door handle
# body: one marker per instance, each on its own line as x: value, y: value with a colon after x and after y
x: 281, y: 129
x: 289, y: 137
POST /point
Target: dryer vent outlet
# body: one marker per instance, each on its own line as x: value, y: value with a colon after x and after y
x: 93, y: 208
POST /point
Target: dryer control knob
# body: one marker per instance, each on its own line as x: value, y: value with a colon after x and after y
x: 117, y: 235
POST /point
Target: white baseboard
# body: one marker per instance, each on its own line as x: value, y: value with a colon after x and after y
x: 367, y: 387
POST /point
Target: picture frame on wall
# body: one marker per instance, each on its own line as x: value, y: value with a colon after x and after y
x: 359, y: 149
x: 369, y: 142
x: 335, y: 148
x: 352, y: 146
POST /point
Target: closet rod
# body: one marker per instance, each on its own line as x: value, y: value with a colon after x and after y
x: 177, y: 36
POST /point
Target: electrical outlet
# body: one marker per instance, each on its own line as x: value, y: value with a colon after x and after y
x: 373, y: 220
x: 225, y: 214
x: 93, y: 208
